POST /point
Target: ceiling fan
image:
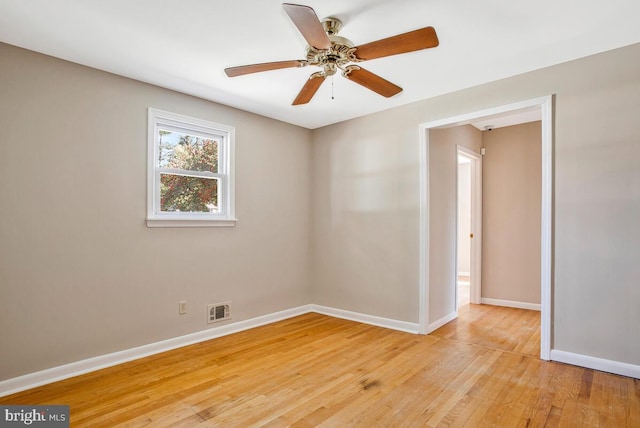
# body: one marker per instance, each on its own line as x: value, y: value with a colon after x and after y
x: 331, y: 53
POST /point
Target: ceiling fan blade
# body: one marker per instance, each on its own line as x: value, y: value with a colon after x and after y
x: 265, y: 66
x: 308, y: 24
x: 309, y: 89
x: 416, y: 40
x: 372, y: 81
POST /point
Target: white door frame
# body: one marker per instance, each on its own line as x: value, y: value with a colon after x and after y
x: 545, y: 104
x: 475, y: 270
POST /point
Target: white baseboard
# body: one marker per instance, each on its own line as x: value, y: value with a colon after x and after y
x: 609, y: 366
x: 54, y: 374
x: 510, y: 304
x: 367, y: 319
x: 442, y: 321
x: 32, y: 380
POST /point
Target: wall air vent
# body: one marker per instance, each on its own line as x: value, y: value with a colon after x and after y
x: 218, y: 312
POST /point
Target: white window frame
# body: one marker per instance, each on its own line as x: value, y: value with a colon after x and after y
x: 225, y: 217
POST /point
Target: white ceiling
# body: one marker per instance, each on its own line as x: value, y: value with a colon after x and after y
x: 185, y: 45
x: 508, y: 119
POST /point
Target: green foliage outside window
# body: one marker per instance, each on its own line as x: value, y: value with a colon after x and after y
x: 183, y: 192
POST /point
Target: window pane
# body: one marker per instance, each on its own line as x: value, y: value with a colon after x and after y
x: 180, y: 193
x: 184, y: 151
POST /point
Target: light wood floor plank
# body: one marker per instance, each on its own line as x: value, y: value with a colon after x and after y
x: 482, y: 369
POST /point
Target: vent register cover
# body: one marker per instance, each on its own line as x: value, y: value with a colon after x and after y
x: 219, y: 312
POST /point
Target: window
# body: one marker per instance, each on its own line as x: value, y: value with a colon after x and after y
x: 190, y: 172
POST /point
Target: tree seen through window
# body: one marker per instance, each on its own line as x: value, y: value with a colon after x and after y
x: 188, y: 162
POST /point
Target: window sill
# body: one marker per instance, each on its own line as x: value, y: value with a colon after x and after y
x: 191, y: 223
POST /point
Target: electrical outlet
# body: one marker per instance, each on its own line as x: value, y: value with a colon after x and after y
x: 182, y: 307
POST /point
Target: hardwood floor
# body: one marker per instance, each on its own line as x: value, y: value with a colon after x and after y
x: 509, y: 329
x: 318, y: 371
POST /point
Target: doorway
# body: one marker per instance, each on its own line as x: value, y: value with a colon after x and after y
x: 469, y: 226
x: 432, y: 293
x: 463, y: 255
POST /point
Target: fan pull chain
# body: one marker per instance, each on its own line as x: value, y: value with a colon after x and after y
x: 332, y: 88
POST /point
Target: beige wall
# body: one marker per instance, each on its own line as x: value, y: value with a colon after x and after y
x: 443, y: 161
x: 367, y: 260
x: 511, y: 206
x: 80, y: 273
x: 82, y: 276
x: 364, y: 202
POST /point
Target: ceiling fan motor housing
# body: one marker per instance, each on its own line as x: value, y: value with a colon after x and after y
x: 341, y: 52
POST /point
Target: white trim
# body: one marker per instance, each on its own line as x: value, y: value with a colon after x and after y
x: 367, y: 319
x: 609, y: 366
x: 226, y: 171
x: 466, y: 118
x: 442, y: 321
x: 546, y: 105
x: 510, y: 304
x: 32, y: 380
x: 191, y: 223
x: 54, y: 374
x: 423, y: 238
x: 464, y: 273
x: 43, y: 377
x: 546, y: 226
x: 456, y: 297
